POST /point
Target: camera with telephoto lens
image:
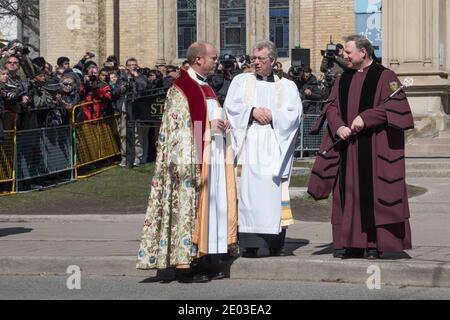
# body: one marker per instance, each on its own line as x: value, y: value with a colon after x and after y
x: 23, y: 50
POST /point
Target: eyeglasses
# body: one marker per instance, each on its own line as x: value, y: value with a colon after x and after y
x: 66, y: 84
x: 262, y: 59
x: 12, y: 62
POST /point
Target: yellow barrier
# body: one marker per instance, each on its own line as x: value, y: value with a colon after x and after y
x: 7, y: 157
x: 94, y: 140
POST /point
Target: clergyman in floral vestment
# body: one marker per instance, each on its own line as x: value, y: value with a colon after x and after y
x: 192, y: 209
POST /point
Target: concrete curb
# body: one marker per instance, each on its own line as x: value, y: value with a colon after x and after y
x: 57, y: 266
x: 291, y: 268
x: 72, y: 218
x: 405, y: 273
x: 295, y: 193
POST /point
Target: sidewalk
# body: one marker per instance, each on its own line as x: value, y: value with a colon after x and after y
x: 107, y: 245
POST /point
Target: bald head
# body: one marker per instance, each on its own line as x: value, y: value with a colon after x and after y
x: 202, y: 57
x: 197, y: 49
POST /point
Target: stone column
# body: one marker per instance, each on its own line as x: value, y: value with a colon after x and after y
x: 161, y: 57
x: 170, y: 31
x: 257, y: 22
x: 414, y: 42
x: 294, y: 23
x: 208, y: 21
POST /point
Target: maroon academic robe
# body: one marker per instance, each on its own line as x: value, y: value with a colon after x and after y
x: 367, y: 173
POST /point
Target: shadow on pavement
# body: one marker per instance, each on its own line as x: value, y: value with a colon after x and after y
x: 328, y: 249
x: 13, y: 231
x: 162, y: 276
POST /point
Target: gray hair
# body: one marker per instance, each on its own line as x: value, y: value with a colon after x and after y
x: 273, y: 52
x: 361, y: 42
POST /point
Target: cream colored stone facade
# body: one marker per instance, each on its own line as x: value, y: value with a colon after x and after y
x: 148, y: 29
x: 415, y: 36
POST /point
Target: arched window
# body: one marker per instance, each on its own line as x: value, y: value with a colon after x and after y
x: 279, y: 25
x: 187, y: 25
x: 233, y: 36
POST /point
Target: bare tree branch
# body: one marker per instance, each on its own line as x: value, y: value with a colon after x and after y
x: 26, y: 11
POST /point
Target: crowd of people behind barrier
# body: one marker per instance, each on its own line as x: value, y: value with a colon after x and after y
x: 44, y: 96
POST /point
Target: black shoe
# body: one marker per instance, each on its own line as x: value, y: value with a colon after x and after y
x: 250, y: 253
x: 274, y: 252
x: 353, y: 253
x: 338, y: 253
x: 191, y: 277
x: 372, y: 254
x: 216, y: 275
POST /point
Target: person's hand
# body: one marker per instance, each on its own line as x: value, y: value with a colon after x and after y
x: 344, y: 133
x: 25, y: 99
x: 308, y: 92
x: 358, y: 124
x: 262, y: 115
x: 227, y: 125
x: 12, y: 50
x: 217, y: 126
x: 134, y: 73
x: 123, y: 89
x: 89, y: 55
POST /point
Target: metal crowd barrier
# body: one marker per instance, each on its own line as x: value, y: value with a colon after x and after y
x: 307, y: 144
x: 43, y: 152
x: 8, y: 158
x: 26, y: 155
x: 144, y: 110
x: 94, y: 141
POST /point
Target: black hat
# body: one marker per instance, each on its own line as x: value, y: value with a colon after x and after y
x: 89, y: 64
x: 39, y: 61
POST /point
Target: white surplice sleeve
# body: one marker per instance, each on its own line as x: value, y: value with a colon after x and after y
x: 286, y: 123
x: 237, y: 110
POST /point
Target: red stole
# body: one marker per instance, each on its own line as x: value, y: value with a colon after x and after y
x: 196, y: 96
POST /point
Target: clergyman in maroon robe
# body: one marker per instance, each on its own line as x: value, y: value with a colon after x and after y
x: 366, y: 171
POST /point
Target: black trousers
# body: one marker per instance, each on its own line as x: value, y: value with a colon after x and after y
x: 267, y: 241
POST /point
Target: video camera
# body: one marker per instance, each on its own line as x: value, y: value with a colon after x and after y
x: 331, y: 51
x: 227, y: 61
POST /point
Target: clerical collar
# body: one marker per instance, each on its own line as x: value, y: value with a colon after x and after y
x: 362, y: 70
x: 201, y: 78
x: 270, y: 78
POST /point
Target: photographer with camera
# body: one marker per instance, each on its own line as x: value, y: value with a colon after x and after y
x: 131, y: 84
x: 26, y: 69
x: 333, y: 65
x: 225, y: 72
x: 13, y: 89
x: 44, y: 94
x: 96, y: 91
x: 308, y: 87
x: 333, y: 60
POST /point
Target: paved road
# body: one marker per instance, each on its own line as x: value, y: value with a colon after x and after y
x: 124, y: 288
